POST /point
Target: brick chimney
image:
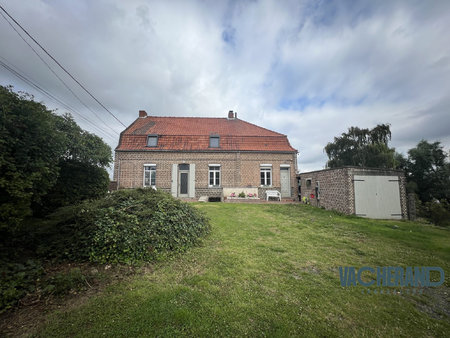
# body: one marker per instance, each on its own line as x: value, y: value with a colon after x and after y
x: 230, y: 115
x: 142, y: 113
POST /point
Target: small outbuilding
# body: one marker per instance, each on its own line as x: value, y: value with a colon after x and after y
x: 365, y: 192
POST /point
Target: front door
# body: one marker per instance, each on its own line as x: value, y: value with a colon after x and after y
x: 184, y: 184
x: 183, y: 188
x: 285, y: 182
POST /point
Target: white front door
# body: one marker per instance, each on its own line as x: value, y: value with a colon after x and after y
x: 285, y: 181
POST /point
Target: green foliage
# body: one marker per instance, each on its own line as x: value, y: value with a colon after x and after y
x: 76, y: 182
x: 28, y: 278
x: 30, y: 148
x: 82, y: 146
x: 63, y: 282
x: 241, y: 194
x: 125, y: 227
x: 363, y: 148
x: 17, y: 279
x: 428, y: 167
x: 436, y: 211
x: 34, y: 144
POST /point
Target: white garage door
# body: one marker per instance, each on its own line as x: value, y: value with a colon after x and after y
x: 377, y: 197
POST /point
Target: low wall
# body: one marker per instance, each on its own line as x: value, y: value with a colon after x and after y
x: 228, y: 191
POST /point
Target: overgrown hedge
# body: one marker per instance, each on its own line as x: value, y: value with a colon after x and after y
x: 438, y: 212
x: 127, y: 226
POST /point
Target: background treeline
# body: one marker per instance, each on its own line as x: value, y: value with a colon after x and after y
x: 426, y: 166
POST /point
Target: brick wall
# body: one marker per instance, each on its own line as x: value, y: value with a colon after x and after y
x: 337, y: 188
x: 334, y: 189
x: 238, y: 169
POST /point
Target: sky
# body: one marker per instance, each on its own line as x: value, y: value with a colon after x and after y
x: 307, y: 69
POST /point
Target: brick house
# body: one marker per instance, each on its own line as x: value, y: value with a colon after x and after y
x: 192, y: 157
x: 365, y: 192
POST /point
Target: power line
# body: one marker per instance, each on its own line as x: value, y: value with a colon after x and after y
x: 52, y: 97
x: 57, y: 76
x: 56, y: 61
x: 30, y: 82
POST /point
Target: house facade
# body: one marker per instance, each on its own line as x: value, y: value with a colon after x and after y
x: 192, y: 157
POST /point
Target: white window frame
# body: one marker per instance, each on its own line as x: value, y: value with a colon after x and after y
x: 216, y: 173
x: 151, y: 169
x: 266, y: 169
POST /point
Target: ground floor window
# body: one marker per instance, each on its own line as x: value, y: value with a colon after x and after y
x: 214, y: 175
x: 266, y: 176
x: 149, y: 175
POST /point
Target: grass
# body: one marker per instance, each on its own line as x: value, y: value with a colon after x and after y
x: 272, y: 270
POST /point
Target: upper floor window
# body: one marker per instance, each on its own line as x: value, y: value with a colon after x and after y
x: 152, y: 140
x: 214, y: 141
x: 214, y: 175
x: 149, y: 175
x: 266, y: 175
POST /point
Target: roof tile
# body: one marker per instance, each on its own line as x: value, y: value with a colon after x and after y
x: 192, y: 134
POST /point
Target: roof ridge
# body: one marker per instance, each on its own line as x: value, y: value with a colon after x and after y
x: 189, y: 117
x: 221, y: 118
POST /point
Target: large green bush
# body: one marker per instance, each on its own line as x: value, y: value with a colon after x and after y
x: 77, y: 181
x: 436, y: 211
x: 127, y: 226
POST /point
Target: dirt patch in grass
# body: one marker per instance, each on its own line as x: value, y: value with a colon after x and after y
x: 435, y: 303
x: 32, y: 310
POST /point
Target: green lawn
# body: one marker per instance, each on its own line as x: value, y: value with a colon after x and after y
x: 272, y: 270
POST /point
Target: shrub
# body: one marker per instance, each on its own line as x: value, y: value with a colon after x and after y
x: 127, y: 226
x: 241, y: 194
x: 63, y: 282
x: 77, y: 181
x: 437, y: 212
x: 17, y: 279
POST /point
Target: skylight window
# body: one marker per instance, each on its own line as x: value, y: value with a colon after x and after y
x: 152, y: 140
x: 214, y: 141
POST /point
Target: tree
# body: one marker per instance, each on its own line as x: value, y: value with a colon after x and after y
x: 363, y: 148
x: 30, y: 148
x: 82, y: 168
x: 429, y: 169
x: 82, y: 146
x: 76, y: 182
x: 35, y: 145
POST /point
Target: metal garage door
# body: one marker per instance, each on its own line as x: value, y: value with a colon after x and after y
x: 377, y: 197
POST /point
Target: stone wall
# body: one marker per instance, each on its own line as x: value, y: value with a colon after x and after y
x: 334, y: 189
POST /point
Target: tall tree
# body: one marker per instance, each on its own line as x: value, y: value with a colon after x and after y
x: 82, y: 168
x: 429, y: 168
x: 34, y: 145
x: 363, y: 148
x: 30, y: 148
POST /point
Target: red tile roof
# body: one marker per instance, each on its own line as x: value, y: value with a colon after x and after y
x: 192, y: 134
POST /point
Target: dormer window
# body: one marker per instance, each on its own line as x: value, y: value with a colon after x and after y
x: 152, y: 140
x: 214, y: 141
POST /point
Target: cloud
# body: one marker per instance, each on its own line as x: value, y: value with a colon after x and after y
x: 308, y: 69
